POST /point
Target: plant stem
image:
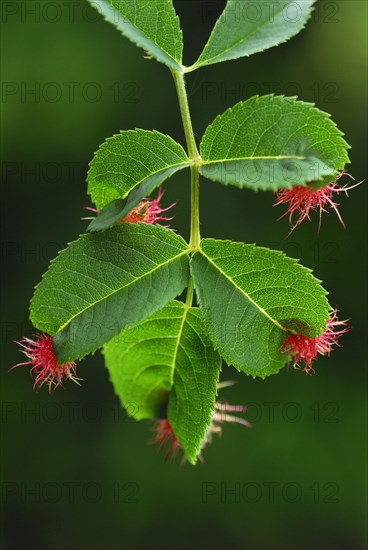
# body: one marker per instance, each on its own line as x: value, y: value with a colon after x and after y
x: 185, y: 115
x: 194, y: 156
x: 195, y: 236
x: 189, y: 297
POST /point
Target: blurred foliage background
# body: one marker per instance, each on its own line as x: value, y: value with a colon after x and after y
x: 76, y: 472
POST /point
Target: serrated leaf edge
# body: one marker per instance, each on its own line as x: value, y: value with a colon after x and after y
x: 178, y: 63
x: 184, y: 309
x: 198, y: 64
x: 271, y: 97
x: 187, y: 251
x: 136, y: 131
x: 265, y: 372
x: 196, y: 311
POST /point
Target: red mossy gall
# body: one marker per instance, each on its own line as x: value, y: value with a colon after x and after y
x: 147, y: 211
x: 305, y: 350
x: 45, y: 367
x: 301, y: 201
x: 165, y: 437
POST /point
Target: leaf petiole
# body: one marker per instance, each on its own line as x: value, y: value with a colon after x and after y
x: 193, y: 153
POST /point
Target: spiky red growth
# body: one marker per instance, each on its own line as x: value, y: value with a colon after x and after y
x: 165, y: 437
x: 305, y: 350
x: 301, y: 201
x: 44, y: 365
x: 147, y: 211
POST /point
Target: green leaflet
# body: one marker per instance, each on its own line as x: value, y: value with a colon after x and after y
x: 167, y: 365
x: 250, y: 26
x: 151, y: 24
x: 134, y: 161
x: 271, y: 142
x: 106, y: 281
x: 249, y: 296
x: 110, y: 215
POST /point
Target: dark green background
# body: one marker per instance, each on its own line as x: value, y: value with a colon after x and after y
x: 76, y: 473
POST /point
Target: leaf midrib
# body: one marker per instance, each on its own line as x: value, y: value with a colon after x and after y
x: 135, y: 280
x: 263, y: 311
x: 179, y: 164
x: 178, y: 340
x: 269, y: 157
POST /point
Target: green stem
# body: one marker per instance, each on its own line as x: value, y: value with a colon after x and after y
x: 195, y: 236
x: 193, y: 153
x: 189, y: 297
x: 185, y: 115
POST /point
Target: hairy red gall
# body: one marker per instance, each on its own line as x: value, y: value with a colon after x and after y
x: 301, y: 201
x: 45, y: 367
x: 305, y: 350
